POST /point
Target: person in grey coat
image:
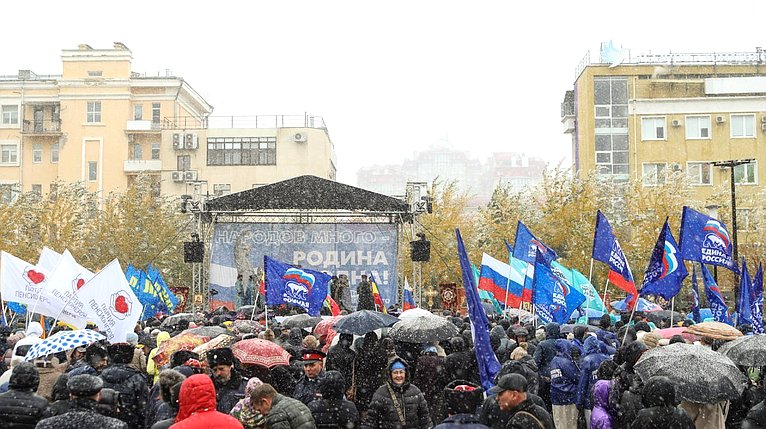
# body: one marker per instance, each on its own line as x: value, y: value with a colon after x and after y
x: 281, y: 412
x: 85, y: 391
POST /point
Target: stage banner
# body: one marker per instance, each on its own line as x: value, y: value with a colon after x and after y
x: 336, y: 249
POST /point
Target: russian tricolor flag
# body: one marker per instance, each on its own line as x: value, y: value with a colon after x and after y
x: 496, y: 276
x: 409, y: 300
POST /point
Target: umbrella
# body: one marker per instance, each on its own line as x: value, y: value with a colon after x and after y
x: 569, y: 328
x: 218, y: 342
x: 172, y: 320
x: 523, y: 315
x: 206, y: 331
x: 63, y: 341
x: 415, y: 312
x: 364, y: 321
x: 705, y: 313
x: 256, y: 351
x: 716, y: 330
x: 245, y: 327
x: 300, y: 321
x: 182, y: 341
x: 642, y: 305
x: 678, y: 330
x: 700, y: 374
x: 658, y: 316
x: 423, y: 329
x: 324, y: 327
x: 489, y: 308
x: 746, y: 351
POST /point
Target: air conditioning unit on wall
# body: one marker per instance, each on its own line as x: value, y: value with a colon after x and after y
x: 190, y: 175
x: 190, y: 141
x: 177, y: 176
x: 177, y: 144
x: 720, y: 119
x: 300, y: 137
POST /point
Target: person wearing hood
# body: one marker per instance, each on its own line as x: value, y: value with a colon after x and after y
x: 461, y: 364
x: 151, y: 367
x: 197, y: 406
x: 82, y: 410
x: 600, y: 417
x: 564, y: 378
x: 340, y: 358
x: 594, y: 352
x: 397, y: 403
x: 229, y: 384
x: 369, y: 366
x: 163, y: 409
x: 627, y: 387
x: 461, y: 400
x: 579, y: 332
x: 244, y: 411
x: 500, y: 344
x: 544, y: 354
x: 332, y: 410
x: 661, y: 411
x: 430, y: 379
x: 307, y: 388
x: 31, y: 337
x: 130, y: 383
x: 20, y: 406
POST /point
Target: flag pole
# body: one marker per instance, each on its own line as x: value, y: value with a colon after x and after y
x: 507, y: 286
x: 632, y: 312
x: 606, y: 285
x: 255, y: 305
x: 590, y: 274
x: 266, y: 312
x: 672, y: 305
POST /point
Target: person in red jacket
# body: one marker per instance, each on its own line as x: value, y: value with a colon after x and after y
x: 197, y: 406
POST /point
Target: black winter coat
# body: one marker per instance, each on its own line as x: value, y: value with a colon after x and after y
x: 133, y: 393
x: 430, y: 379
x: 491, y: 415
x: 528, y: 415
x: 81, y: 414
x: 21, y: 407
x: 331, y: 414
x: 666, y: 417
x: 382, y: 414
x: 340, y: 358
x: 227, y: 395
x: 369, y: 364
x: 756, y: 417
x: 461, y: 365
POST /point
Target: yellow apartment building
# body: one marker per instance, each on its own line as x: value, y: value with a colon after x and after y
x: 652, y: 114
x: 102, y: 124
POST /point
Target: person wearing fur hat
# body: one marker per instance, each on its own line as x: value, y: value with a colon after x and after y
x: 313, y: 372
x: 130, y: 383
x: 462, y: 399
x: 85, y: 393
x: 397, y: 403
x: 20, y: 406
x: 96, y: 358
x: 229, y: 384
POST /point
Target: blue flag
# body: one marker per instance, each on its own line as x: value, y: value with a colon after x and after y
x: 555, y: 299
x: 300, y: 287
x: 607, y: 249
x: 489, y: 366
x: 526, y: 246
x: 714, y: 298
x: 756, y: 303
x: 705, y: 240
x: 168, y: 300
x: 146, y: 297
x: 695, y: 297
x: 666, y: 270
x: 743, y: 300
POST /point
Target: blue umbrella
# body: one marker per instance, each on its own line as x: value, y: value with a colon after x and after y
x: 63, y: 341
x: 363, y: 321
x: 642, y: 305
x: 705, y: 313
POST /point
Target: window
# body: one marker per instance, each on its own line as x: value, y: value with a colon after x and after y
x: 138, y: 112
x: 745, y: 174
x: 155, y: 151
x: 183, y: 162
x: 699, y: 173
x: 95, y: 73
x: 54, y: 191
x: 155, y: 113
x: 654, y: 173
x: 10, y: 115
x: 136, y: 151
x: 611, y: 126
x: 698, y: 127
x: 37, y: 153
x: 93, y: 114
x: 9, y: 154
x: 742, y: 126
x: 37, y: 189
x: 92, y: 171
x: 652, y: 128
x: 221, y: 189
x: 55, y: 153
x: 242, y: 151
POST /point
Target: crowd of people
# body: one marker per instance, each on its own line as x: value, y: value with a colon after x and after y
x: 553, y: 376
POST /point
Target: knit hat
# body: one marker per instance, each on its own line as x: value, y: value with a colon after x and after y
x: 131, y: 338
x: 84, y: 385
x: 397, y: 365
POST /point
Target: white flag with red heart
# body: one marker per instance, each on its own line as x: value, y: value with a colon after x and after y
x: 24, y: 283
x: 64, y: 283
x: 111, y: 303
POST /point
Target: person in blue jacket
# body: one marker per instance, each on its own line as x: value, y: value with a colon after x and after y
x: 595, y: 352
x: 564, y: 378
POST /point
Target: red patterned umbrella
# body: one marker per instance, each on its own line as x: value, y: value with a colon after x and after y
x: 324, y: 327
x: 256, y: 351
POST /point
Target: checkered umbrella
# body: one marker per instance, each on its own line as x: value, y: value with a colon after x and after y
x: 63, y: 341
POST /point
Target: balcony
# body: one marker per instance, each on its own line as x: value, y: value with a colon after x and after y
x: 142, y: 127
x: 142, y: 165
x: 42, y: 127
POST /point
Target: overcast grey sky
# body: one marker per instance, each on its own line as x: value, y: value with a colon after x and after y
x: 388, y: 77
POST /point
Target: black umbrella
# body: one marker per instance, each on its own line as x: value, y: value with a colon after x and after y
x: 174, y: 319
x: 700, y: 374
x: 300, y: 321
x: 568, y: 328
x: 657, y: 317
x: 363, y: 321
x: 423, y: 329
x: 746, y: 351
x: 207, y: 331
